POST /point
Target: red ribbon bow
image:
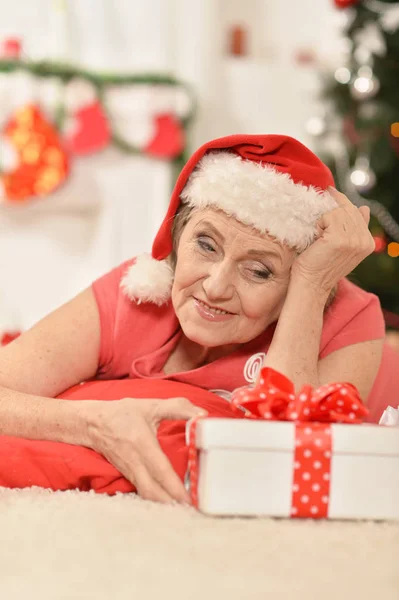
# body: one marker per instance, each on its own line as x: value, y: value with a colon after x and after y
x: 274, y: 399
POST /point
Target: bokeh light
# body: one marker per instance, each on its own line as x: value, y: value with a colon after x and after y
x: 393, y: 249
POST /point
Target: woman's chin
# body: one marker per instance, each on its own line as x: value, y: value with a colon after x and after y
x: 203, y: 337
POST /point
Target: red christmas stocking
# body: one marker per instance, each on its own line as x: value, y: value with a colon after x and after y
x: 91, y: 131
x: 169, y: 139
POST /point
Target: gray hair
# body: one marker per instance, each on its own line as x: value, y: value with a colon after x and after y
x: 180, y: 220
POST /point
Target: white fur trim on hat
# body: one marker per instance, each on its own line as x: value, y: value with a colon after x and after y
x: 148, y: 280
x: 258, y: 195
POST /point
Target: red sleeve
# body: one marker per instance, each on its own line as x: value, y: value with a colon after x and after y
x: 106, y: 292
x: 355, y: 316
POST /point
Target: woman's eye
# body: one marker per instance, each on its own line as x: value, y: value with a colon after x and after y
x: 261, y: 273
x: 205, y: 245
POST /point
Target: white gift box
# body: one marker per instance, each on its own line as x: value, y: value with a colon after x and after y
x: 246, y: 468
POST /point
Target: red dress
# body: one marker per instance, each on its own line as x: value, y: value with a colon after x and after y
x: 136, y: 340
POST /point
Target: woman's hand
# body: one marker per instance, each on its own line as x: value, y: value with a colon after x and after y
x: 124, y: 432
x: 343, y: 241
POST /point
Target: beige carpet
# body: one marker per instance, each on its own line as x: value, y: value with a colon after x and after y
x: 78, y: 545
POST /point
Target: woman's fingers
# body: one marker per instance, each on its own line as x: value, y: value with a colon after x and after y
x: 365, y: 212
x: 128, y: 440
x: 342, y: 241
x: 344, y: 202
x: 156, y: 462
x: 177, y: 409
x: 339, y: 197
x: 160, y: 468
x: 147, y: 487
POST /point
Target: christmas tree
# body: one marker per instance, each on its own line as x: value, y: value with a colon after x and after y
x: 360, y: 137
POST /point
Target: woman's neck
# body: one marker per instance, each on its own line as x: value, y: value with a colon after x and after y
x: 204, y: 354
x: 188, y: 355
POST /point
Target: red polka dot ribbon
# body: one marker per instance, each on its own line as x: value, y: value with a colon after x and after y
x: 274, y: 399
x: 313, y: 411
x: 312, y: 467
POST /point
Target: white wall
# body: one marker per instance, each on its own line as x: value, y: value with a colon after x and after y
x: 51, y: 249
x: 267, y: 91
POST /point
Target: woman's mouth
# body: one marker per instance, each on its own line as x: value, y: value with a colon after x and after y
x: 210, y: 313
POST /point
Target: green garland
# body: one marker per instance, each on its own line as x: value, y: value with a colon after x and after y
x: 101, y: 81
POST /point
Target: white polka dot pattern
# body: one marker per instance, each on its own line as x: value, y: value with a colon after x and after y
x: 274, y: 398
x: 312, y: 462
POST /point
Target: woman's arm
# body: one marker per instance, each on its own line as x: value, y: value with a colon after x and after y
x: 40, y: 418
x: 61, y: 351
x: 357, y: 364
x: 295, y: 347
x: 57, y: 353
x: 343, y: 242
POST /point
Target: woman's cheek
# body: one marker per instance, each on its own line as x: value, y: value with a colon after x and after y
x: 186, y: 276
x: 186, y: 259
x: 263, y: 305
x: 193, y: 268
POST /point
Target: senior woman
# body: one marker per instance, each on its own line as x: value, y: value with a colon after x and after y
x: 247, y: 269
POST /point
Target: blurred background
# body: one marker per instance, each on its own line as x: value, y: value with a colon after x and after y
x: 101, y: 102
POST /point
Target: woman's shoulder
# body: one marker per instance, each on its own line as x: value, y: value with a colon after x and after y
x: 128, y: 329
x: 350, y: 299
x: 111, y: 296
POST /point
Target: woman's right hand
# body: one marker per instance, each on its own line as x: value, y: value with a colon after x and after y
x: 124, y: 432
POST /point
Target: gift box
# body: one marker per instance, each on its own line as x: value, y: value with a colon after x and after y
x: 305, y: 455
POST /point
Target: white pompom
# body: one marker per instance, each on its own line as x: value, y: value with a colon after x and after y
x: 148, y: 280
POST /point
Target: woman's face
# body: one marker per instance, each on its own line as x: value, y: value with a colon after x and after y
x: 230, y: 282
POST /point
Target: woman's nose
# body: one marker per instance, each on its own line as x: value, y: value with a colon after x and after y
x: 218, y: 284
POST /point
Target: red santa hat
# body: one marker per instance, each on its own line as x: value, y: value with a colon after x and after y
x: 270, y: 182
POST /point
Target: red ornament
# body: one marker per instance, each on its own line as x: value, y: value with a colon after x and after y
x: 168, y: 141
x: 380, y: 244
x: 91, y: 131
x: 42, y: 162
x: 345, y: 3
x: 394, y: 137
x: 238, y: 41
x: 305, y: 56
x: 11, y: 49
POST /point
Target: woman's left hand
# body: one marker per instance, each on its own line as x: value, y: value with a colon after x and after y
x: 343, y: 241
